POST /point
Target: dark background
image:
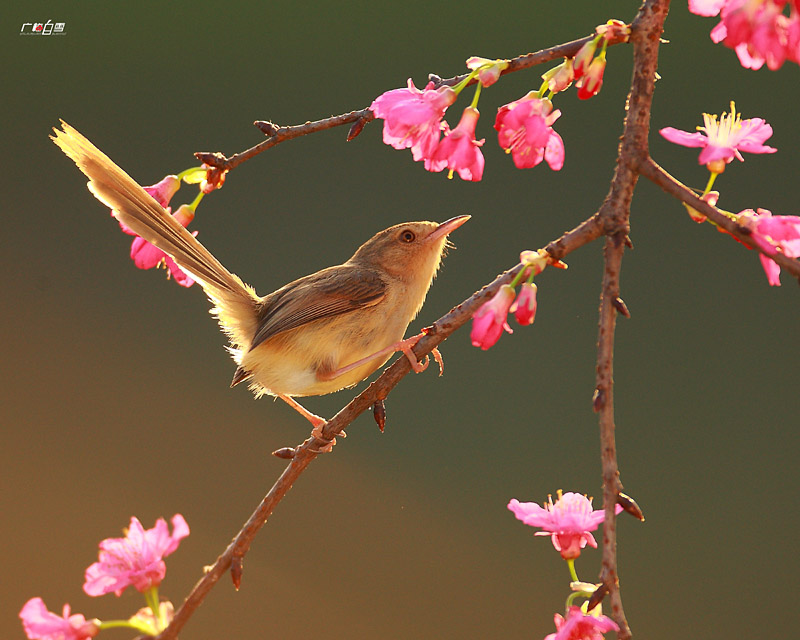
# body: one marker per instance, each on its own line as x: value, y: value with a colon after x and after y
x: 115, y: 398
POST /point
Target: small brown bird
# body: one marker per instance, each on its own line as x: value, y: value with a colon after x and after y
x: 316, y: 335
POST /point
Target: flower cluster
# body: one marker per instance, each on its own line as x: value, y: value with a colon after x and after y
x: 569, y: 521
x: 491, y: 319
x: 773, y: 235
x: 758, y: 30
x: 136, y: 560
x: 414, y: 118
x: 721, y: 141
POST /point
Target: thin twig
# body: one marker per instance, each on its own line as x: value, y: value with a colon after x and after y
x: 280, y: 134
x: 650, y: 169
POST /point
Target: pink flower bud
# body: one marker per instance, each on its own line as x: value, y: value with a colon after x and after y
x: 711, y: 197
x: 591, y: 82
x: 490, y: 320
x: 489, y: 69
x: 524, y: 307
x: 584, y: 58
x: 560, y: 78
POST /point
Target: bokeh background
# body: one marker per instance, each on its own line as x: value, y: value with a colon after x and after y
x: 115, y: 398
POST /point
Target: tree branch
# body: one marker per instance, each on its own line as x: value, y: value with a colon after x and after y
x: 361, y: 117
x: 646, y: 32
x: 651, y: 170
x: 305, y: 453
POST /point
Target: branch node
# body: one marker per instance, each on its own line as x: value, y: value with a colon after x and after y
x: 630, y: 506
x: 379, y: 413
x: 621, y: 307
x: 266, y: 127
x: 597, y: 597
x: 236, y: 571
x: 358, y: 127
x: 213, y: 159
x: 598, y: 400
x: 285, y: 453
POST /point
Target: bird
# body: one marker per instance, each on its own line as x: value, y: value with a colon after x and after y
x: 315, y: 335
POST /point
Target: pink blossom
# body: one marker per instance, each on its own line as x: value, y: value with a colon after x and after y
x: 524, y: 307
x: 591, y: 82
x: 413, y: 118
x: 41, y: 624
x: 524, y: 129
x: 723, y: 139
x: 581, y: 626
x: 773, y: 234
x: 137, y: 559
x: 459, y: 151
x: 758, y: 30
x: 491, y: 319
x: 569, y: 522
x: 147, y: 256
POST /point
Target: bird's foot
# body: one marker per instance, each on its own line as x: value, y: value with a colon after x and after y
x: 407, y: 346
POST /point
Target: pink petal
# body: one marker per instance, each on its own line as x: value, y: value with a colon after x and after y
x: 706, y: 7
x: 772, y: 269
x: 554, y: 152
x: 684, y: 138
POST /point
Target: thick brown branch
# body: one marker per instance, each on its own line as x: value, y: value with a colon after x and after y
x: 615, y: 216
x: 604, y: 405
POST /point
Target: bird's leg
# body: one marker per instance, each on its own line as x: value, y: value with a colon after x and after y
x: 317, y: 421
x: 406, y: 346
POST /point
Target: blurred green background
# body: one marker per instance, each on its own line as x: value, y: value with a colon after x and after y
x: 115, y: 398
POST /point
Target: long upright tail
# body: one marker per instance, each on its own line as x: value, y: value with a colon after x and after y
x: 235, y: 302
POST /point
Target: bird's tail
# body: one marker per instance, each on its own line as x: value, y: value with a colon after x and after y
x: 235, y: 302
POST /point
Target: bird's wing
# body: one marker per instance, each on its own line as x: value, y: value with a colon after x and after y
x: 325, y: 294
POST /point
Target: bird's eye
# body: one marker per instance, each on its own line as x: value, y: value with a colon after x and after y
x: 408, y: 236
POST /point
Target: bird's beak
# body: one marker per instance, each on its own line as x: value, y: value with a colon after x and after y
x: 447, y: 227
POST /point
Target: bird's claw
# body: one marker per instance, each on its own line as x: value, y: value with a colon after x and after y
x: 327, y: 443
